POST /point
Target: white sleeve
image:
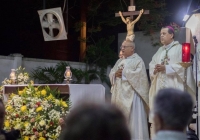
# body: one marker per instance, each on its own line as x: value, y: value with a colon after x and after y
x: 113, y: 79
x: 169, y: 70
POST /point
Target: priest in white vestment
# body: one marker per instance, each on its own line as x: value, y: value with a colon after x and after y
x: 165, y: 70
x: 130, y: 90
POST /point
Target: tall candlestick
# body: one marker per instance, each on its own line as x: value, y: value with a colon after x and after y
x: 186, y: 52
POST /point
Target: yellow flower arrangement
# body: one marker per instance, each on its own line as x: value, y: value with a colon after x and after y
x: 36, y: 112
x: 23, y: 108
x: 39, y: 109
x: 43, y: 92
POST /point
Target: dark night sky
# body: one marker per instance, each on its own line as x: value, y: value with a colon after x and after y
x: 10, y: 25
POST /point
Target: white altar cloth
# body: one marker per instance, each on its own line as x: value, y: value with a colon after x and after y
x: 80, y: 93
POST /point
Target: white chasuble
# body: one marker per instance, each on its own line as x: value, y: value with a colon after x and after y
x: 173, y: 76
x: 130, y: 94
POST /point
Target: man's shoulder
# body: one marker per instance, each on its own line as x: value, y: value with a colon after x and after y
x: 119, y: 60
x: 176, y: 46
x: 176, y: 43
x: 136, y: 58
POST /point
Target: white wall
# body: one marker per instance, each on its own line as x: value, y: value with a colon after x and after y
x: 15, y: 60
x: 31, y: 63
x: 6, y: 64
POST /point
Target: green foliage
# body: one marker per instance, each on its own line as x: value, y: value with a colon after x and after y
x: 98, y: 57
x: 100, y: 54
x: 52, y: 75
x: 155, y: 20
x: 47, y: 75
x: 101, y: 13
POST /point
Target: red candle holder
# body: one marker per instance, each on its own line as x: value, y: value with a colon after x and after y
x: 186, y: 52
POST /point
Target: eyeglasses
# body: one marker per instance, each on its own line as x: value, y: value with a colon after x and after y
x: 123, y: 47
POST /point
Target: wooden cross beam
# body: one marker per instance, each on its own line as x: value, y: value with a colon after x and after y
x: 131, y: 13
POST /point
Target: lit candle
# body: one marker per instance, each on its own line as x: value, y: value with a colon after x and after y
x: 68, y: 74
x: 186, y: 52
x: 12, y: 74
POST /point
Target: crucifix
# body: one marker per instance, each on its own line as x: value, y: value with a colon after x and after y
x: 129, y: 20
x: 131, y: 11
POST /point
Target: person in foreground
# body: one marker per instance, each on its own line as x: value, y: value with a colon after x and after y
x: 172, y: 113
x: 130, y: 90
x: 95, y: 122
x: 12, y: 135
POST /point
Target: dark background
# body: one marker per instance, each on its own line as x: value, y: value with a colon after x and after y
x: 21, y: 31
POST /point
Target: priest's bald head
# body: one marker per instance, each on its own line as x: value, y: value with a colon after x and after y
x: 128, y: 48
x: 167, y: 35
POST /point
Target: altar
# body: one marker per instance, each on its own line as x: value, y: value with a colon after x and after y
x: 77, y: 93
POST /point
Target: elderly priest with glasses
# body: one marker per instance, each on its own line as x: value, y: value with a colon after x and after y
x: 130, y: 90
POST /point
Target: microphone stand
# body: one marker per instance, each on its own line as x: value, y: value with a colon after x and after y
x: 196, y: 65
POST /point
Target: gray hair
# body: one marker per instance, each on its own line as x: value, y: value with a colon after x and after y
x: 128, y: 43
x: 174, y: 107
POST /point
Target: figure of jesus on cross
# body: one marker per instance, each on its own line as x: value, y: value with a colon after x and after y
x: 130, y: 25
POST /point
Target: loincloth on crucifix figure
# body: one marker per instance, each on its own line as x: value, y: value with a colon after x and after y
x: 130, y: 25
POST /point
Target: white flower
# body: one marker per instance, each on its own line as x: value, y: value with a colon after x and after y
x: 46, y: 127
x: 17, y: 126
x: 33, y: 137
x: 42, y: 123
x: 58, y: 129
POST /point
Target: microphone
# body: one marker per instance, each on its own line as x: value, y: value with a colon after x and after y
x: 195, y: 39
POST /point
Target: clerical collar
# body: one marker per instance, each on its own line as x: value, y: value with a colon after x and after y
x: 168, y: 46
x: 130, y: 56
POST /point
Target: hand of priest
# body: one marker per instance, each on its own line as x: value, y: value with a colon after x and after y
x: 118, y: 73
x: 160, y: 68
x: 155, y: 71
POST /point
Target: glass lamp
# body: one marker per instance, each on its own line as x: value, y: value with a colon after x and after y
x: 13, y: 76
x: 68, y: 75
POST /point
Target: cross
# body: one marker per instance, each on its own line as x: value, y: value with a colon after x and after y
x: 131, y: 13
